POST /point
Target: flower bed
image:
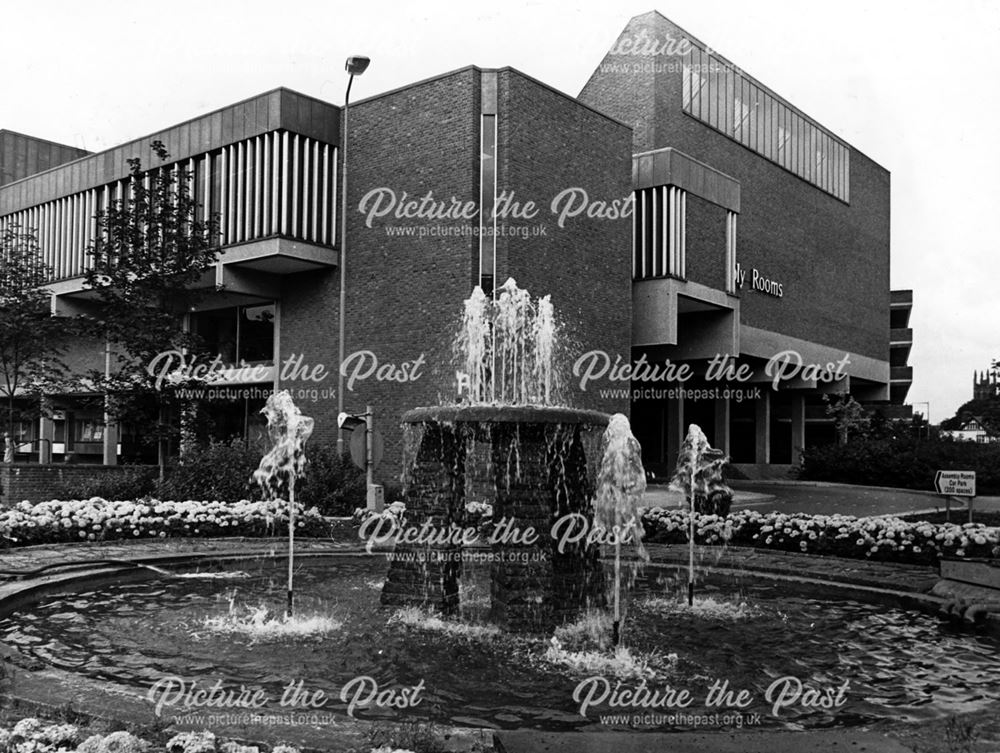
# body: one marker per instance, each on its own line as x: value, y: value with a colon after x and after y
x: 887, y: 539
x: 34, y: 736
x: 99, y: 519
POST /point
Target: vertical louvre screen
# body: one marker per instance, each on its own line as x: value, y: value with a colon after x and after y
x: 277, y: 183
x: 658, y: 232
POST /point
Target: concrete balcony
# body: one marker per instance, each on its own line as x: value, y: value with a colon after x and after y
x: 900, y: 336
x: 901, y: 374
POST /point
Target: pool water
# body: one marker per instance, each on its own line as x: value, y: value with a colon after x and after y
x: 748, y: 633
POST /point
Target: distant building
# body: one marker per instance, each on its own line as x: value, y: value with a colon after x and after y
x: 973, y: 430
x: 985, y: 385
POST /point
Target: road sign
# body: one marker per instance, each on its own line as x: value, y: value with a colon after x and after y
x: 956, y: 483
x: 358, y: 440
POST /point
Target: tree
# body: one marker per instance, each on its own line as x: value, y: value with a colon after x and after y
x: 31, y: 338
x: 849, y: 416
x: 152, y: 251
x: 985, y: 409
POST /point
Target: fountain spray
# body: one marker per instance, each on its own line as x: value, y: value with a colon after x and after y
x: 698, y: 474
x: 621, y: 482
x: 506, y: 348
x: 284, y: 463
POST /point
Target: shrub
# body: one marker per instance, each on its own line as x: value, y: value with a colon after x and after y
x: 133, y: 482
x: 905, y: 462
x: 332, y: 483
x: 223, y: 470
x: 216, y: 470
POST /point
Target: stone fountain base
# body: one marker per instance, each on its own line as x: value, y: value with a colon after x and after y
x: 530, y: 464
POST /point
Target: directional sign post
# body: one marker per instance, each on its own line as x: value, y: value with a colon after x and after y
x: 956, y: 484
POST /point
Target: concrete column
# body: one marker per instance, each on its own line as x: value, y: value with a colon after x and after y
x: 111, y: 430
x: 674, y: 420
x: 762, y: 426
x: 722, y: 424
x: 798, y: 426
x: 47, y: 435
x: 110, y: 441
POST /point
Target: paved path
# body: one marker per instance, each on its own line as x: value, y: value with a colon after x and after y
x: 661, y: 496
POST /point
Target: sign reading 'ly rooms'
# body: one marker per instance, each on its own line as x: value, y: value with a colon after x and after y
x: 758, y: 282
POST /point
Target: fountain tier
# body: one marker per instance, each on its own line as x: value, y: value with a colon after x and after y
x: 530, y: 464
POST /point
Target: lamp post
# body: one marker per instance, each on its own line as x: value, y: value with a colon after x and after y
x: 927, y: 417
x: 355, y: 66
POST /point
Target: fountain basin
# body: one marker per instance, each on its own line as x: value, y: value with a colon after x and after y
x: 900, y: 665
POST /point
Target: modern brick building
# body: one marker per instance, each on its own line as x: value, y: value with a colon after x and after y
x: 755, y: 232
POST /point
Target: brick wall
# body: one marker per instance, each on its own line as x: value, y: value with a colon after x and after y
x: 831, y: 258
x: 39, y: 483
x: 548, y: 143
x: 405, y: 293
x: 705, y: 255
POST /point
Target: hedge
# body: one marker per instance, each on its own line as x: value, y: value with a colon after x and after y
x: 904, y: 463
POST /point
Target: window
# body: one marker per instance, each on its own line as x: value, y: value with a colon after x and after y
x: 240, y: 334
x: 783, y: 137
x: 23, y: 432
x: 741, y: 117
x: 88, y: 430
x: 725, y: 99
x: 256, y: 333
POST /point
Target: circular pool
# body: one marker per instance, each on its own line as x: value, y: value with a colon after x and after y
x: 745, y: 634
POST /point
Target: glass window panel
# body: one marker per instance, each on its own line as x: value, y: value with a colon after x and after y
x: 256, y: 333
x: 730, y: 101
x: 831, y: 161
x: 686, y: 97
x: 775, y: 110
x: 748, y: 100
x: 766, y: 116
x: 715, y: 87
x: 217, y: 330
x: 835, y: 170
x: 758, y: 116
x: 698, y: 103
x: 799, y: 144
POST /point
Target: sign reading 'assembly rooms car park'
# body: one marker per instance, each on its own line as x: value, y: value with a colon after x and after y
x: 758, y: 282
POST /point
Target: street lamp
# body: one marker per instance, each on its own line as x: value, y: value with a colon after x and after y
x: 927, y: 417
x: 355, y: 66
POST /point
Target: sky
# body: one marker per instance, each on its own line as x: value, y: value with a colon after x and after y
x: 914, y: 85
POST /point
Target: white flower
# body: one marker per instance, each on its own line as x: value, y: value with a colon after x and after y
x: 122, y: 742
x: 27, y: 727
x: 192, y: 742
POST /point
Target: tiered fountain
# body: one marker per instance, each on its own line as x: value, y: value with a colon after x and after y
x: 509, y: 443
